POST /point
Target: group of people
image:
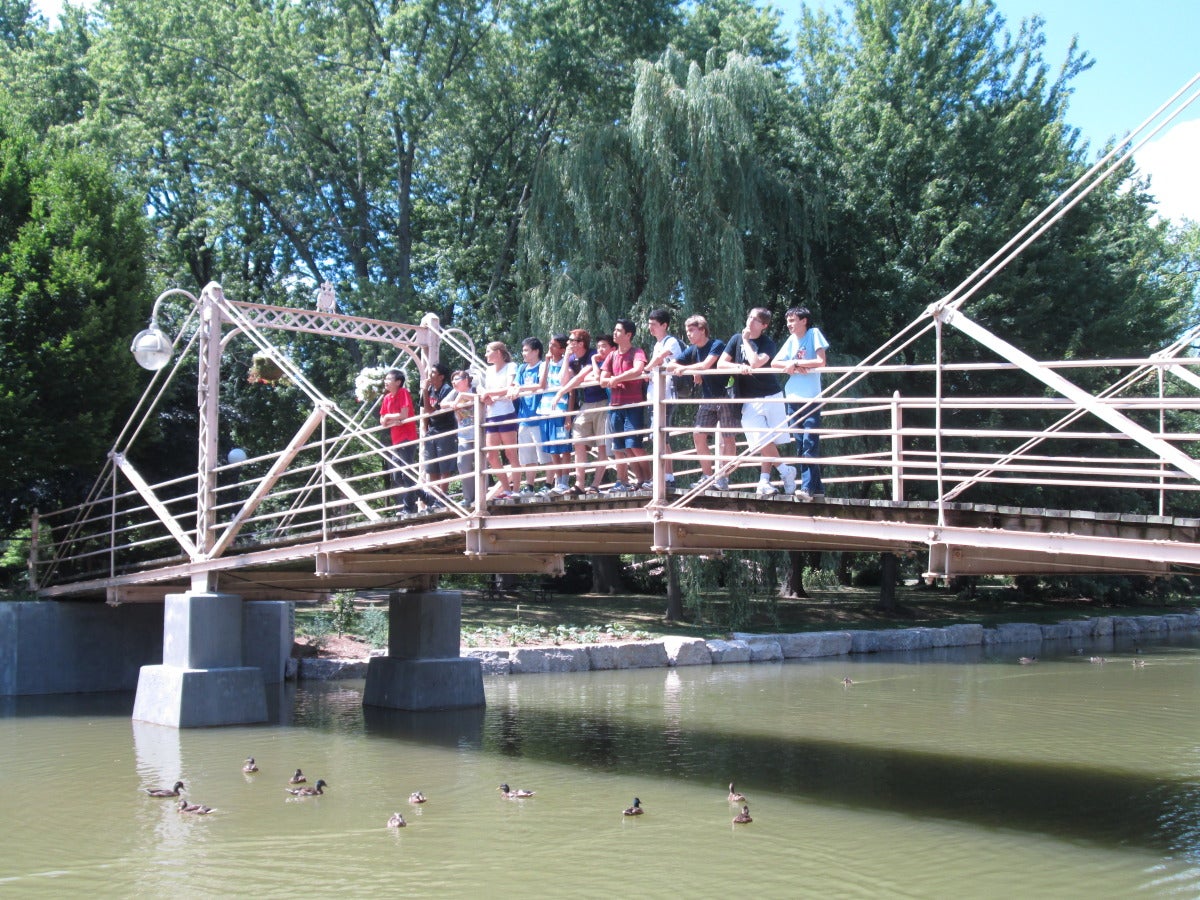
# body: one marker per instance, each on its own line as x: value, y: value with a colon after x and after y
x: 565, y: 401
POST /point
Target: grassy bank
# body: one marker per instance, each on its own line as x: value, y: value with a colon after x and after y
x: 590, y: 617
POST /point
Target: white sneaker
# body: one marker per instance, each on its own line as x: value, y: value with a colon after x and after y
x: 559, y: 489
x: 766, y: 489
x: 788, y: 474
x: 802, y: 495
x: 722, y: 484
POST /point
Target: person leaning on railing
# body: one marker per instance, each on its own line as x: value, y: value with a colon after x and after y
x: 622, y: 375
x: 396, y: 412
x: 589, y: 423
x: 801, y: 358
x: 702, y: 353
x: 440, y: 443
x: 500, y: 415
x: 461, y: 401
x: 757, y: 386
x: 666, y: 347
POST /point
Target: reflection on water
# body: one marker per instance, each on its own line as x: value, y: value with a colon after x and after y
x: 952, y: 773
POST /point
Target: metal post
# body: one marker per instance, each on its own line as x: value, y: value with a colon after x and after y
x: 207, y: 400
x: 897, y: 449
x: 937, y: 433
x: 658, y: 436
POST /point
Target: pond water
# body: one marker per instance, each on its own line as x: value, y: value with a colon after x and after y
x: 937, y: 774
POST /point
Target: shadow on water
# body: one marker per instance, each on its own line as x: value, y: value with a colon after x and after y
x: 115, y: 704
x: 1104, y: 807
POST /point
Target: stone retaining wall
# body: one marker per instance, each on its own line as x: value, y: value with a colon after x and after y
x: 684, y: 651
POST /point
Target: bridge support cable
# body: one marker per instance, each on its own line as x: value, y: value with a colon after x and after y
x: 1159, y: 362
x: 1085, y: 400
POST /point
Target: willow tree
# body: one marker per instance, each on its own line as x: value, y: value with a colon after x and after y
x: 689, y: 202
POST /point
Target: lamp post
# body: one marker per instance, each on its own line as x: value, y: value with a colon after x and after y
x: 153, y: 350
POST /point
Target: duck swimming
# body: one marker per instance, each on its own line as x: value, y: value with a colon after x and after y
x: 250, y: 767
x: 298, y: 778
x: 165, y: 792
x: 198, y: 809
x: 635, y: 810
x: 743, y: 817
x: 734, y: 796
x: 518, y: 794
x: 397, y: 821
x: 416, y: 797
x: 307, y: 791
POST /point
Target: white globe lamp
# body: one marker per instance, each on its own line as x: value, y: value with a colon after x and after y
x: 151, y: 348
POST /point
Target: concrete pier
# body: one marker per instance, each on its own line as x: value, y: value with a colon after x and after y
x: 202, y: 680
x: 423, y: 669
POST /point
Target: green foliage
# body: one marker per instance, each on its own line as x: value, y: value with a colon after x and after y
x: 318, y: 629
x: 682, y: 203
x: 72, y: 294
x: 342, y: 615
x: 373, y: 623
x: 823, y: 579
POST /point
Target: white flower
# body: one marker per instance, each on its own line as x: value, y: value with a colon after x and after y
x: 368, y: 384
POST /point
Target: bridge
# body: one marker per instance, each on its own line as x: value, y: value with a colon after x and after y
x: 987, y: 461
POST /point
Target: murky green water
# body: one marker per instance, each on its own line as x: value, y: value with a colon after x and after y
x: 929, y: 776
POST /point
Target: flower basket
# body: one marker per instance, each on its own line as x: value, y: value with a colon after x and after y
x: 368, y: 384
x: 264, y: 370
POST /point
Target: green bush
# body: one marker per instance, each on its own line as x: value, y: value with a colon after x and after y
x: 374, y: 626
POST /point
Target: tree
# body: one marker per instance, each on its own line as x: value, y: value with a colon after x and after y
x: 72, y: 295
x: 940, y: 135
x: 683, y: 204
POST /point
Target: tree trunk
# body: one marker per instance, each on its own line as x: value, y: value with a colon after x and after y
x: 793, y: 585
x: 606, y: 574
x: 674, y: 592
x: 887, y: 581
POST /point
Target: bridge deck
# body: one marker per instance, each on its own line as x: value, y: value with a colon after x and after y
x: 534, y: 536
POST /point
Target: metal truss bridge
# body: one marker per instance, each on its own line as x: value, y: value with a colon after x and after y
x: 988, y: 462
x: 957, y: 476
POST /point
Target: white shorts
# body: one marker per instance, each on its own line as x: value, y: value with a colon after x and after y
x: 763, y: 420
x: 530, y: 452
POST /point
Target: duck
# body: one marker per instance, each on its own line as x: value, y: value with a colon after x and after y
x: 416, y: 797
x: 306, y: 791
x: 397, y: 821
x: 1139, y: 664
x: 635, y: 810
x: 847, y: 681
x: 165, y: 792
x: 1098, y: 660
x: 743, y: 817
x: 734, y: 796
x: 1027, y: 660
x: 198, y: 809
x: 298, y: 778
x: 250, y: 767
x: 518, y: 794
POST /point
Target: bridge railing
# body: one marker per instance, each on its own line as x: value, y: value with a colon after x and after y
x: 957, y: 443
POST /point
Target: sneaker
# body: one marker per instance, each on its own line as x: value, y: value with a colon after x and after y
x: 647, y: 486
x: 706, y: 483
x: 620, y: 488
x: 722, y: 484
x: 766, y: 489
x: 802, y: 495
x: 526, y: 490
x: 788, y: 474
x: 559, y: 489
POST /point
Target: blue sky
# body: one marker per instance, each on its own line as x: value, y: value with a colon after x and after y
x: 1143, y: 52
